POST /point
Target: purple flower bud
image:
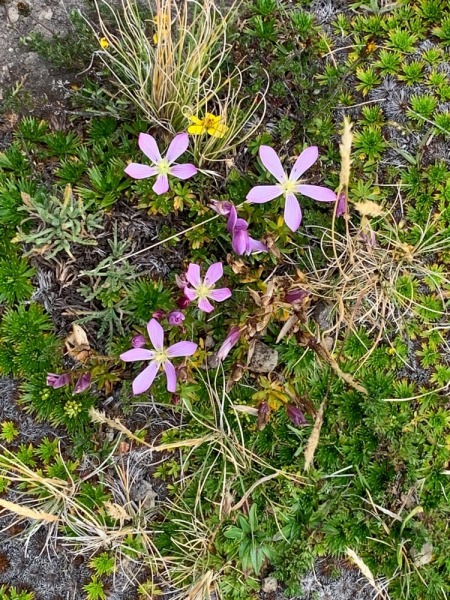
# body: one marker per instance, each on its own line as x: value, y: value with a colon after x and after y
x: 175, y: 317
x: 341, y: 208
x: 368, y: 237
x: 223, y: 208
x: 158, y: 314
x: 83, y: 383
x: 263, y: 415
x: 56, y: 381
x: 295, y: 415
x: 181, y: 281
x: 175, y: 399
x: 294, y: 296
x: 232, y: 338
x: 183, y: 302
x: 138, y: 341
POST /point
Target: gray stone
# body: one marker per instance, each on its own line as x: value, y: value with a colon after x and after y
x: 13, y: 14
x: 144, y: 493
x: 264, y: 358
x: 270, y: 585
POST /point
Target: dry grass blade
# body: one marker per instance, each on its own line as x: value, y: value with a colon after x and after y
x: 313, y: 440
x: 29, y: 513
x: 381, y: 593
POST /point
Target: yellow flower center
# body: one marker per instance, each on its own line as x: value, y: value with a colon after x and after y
x: 288, y: 186
x: 203, y: 290
x: 163, y: 167
x: 161, y: 356
x: 211, y: 121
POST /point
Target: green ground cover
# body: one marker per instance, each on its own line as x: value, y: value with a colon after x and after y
x: 324, y: 431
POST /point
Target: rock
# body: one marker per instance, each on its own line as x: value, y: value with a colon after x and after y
x: 144, y: 493
x: 322, y: 315
x: 264, y: 358
x: 32, y: 58
x: 423, y: 556
x: 46, y: 14
x: 13, y: 14
x: 270, y: 585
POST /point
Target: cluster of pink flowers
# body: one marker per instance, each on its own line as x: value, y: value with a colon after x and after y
x: 194, y: 287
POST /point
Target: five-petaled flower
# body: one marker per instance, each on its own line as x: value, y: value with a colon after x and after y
x: 289, y: 186
x: 211, y: 124
x: 203, y: 290
x: 162, y: 167
x: 104, y: 43
x: 159, y: 357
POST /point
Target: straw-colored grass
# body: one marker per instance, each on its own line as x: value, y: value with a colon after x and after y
x: 169, y: 62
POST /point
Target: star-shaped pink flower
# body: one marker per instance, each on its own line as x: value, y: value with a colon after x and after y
x: 162, y: 167
x: 204, y: 290
x: 289, y: 186
x: 159, y: 357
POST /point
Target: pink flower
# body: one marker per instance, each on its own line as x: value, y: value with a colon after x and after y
x: 241, y: 242
x: 159, y: 357
x: 288, y: 186
x: 232, y: 338
x: 342, y: 204
x: 83, y: 383
x: 138, y: 341
x: 222, y: 207
x: 56, y: 381
x: 162, y: 167
x: 175, y: 317
x: 295, y: 295
x: 158, y: 314
x: 204, y: 290
x: 183, y: 302
x: 295, y: 415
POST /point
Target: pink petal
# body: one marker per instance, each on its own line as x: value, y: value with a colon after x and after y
x: 205, y: 305
x: 232, y: 218
x: 240, y: 241
x: 306, y: 160
x: 149, y: 147
x: 145, y: 379
x: 181, y: 349
x: 183, y: 171
x: 270, y: 160
x: 231, y: 339
x: 190, y: 293
x: 156, y: 334
x: 241, y: 224
x: 220, y: 295
x: 221, y: 207
x: 193, y: 275
x: 136, y: 354
x: 317, y: 192
x: 162, y: 185
x: 256, y: 246
x: 171, y: 375
x: 263, y: 193
x: 177, y: 147
x: 292, y: 212
x: 138, y: 171
x: 214, y: 273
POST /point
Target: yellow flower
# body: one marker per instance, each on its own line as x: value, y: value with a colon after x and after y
x: 104, y: 43
x: 210, y: 124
